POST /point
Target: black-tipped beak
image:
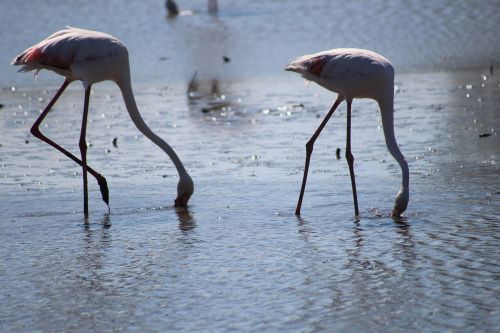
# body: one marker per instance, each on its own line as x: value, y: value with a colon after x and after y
x: 181, y: 201
x: 395, y: 214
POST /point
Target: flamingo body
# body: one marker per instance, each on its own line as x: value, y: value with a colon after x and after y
x: 355, y: 73
x: 77, y: 54
x: 91, y: 57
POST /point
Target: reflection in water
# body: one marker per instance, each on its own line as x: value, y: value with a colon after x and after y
x: 404, y: 248
x: 105, y: 221
x: 203, y: 46
x: 96, y: 240
x: 186, y: 220
x: 213, y: 7
x: 304, y: 229
x: 354, y: 252
x: 401, y: 252
x: 365, y: 286
x: 206, y: 95
x: 88, y: 280
x: 206, y: 57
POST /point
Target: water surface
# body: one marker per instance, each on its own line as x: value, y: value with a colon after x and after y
x: 239, y: 259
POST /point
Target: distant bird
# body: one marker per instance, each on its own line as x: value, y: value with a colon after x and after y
x: 355, y: 73
x: 91, y: 57
x: 172, y: 8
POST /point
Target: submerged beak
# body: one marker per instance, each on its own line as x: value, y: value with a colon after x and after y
x: 397, y: 211
x: 396, y: 214
x: 181, y: 201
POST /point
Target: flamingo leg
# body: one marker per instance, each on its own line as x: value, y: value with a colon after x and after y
x: 309, y: 150
x: 350, y: 158
x: 35, y: 130
x: 83, y: 151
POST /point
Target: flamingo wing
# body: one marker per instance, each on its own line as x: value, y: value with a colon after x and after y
x: 309, y: 66
x: 64, y: 48
x: 54, y: 53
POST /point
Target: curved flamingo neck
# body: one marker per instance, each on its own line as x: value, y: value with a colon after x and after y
x: 128, y: 96
x: 386, y: 105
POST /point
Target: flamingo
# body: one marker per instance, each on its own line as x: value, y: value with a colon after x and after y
x: 91, y: 57
x: 173, y: 9
x: 354, y: 73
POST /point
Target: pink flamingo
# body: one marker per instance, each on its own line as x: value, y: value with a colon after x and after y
x: 355, y: 73
x: 91, y: 57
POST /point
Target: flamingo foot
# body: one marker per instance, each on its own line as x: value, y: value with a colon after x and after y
x: 103, y: 185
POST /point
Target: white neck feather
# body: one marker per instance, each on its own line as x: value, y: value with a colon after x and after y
x: 128, y: 97
x: 387, y: 113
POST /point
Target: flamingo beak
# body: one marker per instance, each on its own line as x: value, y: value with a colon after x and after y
x: 181, y: 201
x: 396, y: 213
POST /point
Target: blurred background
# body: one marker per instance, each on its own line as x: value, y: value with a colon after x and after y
x: 261, y: 36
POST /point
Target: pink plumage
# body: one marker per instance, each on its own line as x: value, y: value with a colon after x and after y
x: 354, y: 73
x: 91, y: 57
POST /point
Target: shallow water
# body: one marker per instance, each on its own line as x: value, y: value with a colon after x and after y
x: 239, y: 259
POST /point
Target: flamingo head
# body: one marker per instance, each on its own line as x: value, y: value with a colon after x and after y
x: 401, y: 202
x: 185, y: 189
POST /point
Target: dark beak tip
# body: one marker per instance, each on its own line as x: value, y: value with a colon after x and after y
x: 181, y: 202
